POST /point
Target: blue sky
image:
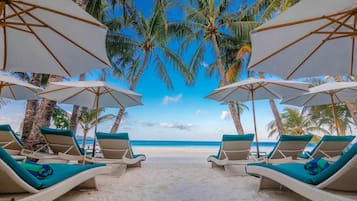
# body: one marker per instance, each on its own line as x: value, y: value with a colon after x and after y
x: 179, y: 114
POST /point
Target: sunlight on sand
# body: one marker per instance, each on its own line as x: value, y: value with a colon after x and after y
x: 177, y: 174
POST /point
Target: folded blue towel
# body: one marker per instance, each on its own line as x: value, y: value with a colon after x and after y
x: 40, y: 171
x: 316, y: 166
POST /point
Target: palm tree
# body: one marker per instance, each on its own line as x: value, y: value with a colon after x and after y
x: 323, y: 116
x: 209, y: 20
x: 87, y: 120
x: 149, y: 40
x: 60, y: 118
x: 296, y: 122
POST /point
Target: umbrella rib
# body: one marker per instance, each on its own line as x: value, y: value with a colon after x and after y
x: 303, y: 21
x: 5, y: 43
x: 12, y: 92
x: 19, y: 29
x: 308, y: 99
x: 68, y: 39
x: 315, y: 50
x: 338, y: 22
x: 60, y: 13
x: 234, y: 90
x: 269, y: 91
x: 114, y: 98
x: 39, y: 39
x: 353, y: 46
x: 291, y: 44
x: 73, y: 95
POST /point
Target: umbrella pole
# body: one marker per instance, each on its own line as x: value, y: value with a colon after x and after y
x: 255, y: 124
x: 335, y: 116
x: 96, y: 122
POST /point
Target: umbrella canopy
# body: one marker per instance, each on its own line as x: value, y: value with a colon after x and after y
x: 328, y: 93
x: 50, y: 37
x: 91, y: 94
x: 256, y: 89
x: 312, y: 38
x: 16, y: 89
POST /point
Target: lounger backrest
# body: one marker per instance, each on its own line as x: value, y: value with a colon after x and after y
x: 331, y: 146
x: 236, y: 147
x: 289, y: 146
x: 341, y: 175
x: 10, y: 169
x: 114, y: 145
x: 62, y: 141
x: 8, y: 139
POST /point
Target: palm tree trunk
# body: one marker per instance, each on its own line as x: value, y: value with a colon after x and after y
x: 274, y: 109
x: 43, y: 116
x: 352, y: 108
x: 30, y: 112
x: 121, y: 112
x: 85, y: 131
x: 235, y: 117
x: 75, y: 112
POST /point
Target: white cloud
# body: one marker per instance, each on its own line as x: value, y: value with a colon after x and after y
x: 176, y: 125
x: 171, y: 99
x: 204, y: 64
x: 225, y: 115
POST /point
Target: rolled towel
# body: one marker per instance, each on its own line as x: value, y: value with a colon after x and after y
x: 316, y: 166
x: 40, y: 171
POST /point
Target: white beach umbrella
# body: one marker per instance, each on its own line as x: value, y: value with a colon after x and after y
x: 50, y: 37
x: 91, y: 94
x: 257, y: 89
x: 312, y: 38
x: 328, y: 93
x: 16, y: 89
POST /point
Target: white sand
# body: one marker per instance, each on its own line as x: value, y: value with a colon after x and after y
x: 177, y: 174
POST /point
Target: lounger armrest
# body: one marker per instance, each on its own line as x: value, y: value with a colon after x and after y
x: 37, y: 155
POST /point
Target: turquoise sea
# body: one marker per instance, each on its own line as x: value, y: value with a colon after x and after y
x: 263, y: 146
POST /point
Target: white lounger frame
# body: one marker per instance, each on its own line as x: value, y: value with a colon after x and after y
x: 119, y: 149
x: 11, y: 182
x: 233, y: 156
x: 332, y: 189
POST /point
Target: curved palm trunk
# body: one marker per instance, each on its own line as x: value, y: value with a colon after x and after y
x: 232, y: 109
x: 85, y: 131
x: 30, y: 112
x: 121, y: 112
x: 75, y: 112
x: 43, y: 117
x: 274, y: 109
x: 352, y: 108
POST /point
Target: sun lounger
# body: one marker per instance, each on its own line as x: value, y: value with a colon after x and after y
x: 13, y: 145
x: 17, y: 183
x: 233, y: 153
x: 328, y: 147
x: 336, y: 182
x: 9, y: 140
x: 289, y: 147
x: 62, y: 141
x: 117, y: 146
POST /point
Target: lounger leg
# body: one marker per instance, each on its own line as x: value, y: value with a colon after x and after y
x: 266, y: 183
x: 89, y: 184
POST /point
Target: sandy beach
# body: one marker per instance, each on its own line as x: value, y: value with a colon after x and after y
x: 177, y: 174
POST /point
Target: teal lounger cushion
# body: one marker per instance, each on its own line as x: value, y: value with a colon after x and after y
x: 297, y: 170
x: 60, y: 171
x: 327, y: 138
x: 69, y: 133
x: 116, y: 136
x: 286, y: 138
x: 233, y: 137
x: 7, y: 127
